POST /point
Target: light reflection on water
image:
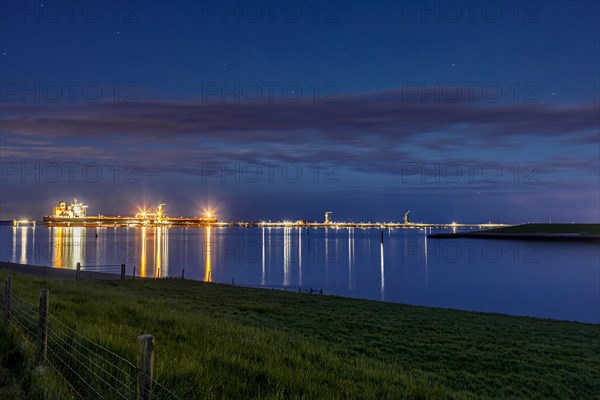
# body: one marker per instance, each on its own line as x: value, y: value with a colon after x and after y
x: 556, y: 280
x: 208, y: 256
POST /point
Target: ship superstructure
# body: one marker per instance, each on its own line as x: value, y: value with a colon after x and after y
x: 72, y: 211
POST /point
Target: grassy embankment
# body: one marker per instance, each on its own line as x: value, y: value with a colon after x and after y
x: 217, y: 341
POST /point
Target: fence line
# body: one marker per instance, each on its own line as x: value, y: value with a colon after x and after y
x: 104, y: 268
x: 88, y: 368
x: 95, y: 375
x: 83, y: 356
x: 77, y: 334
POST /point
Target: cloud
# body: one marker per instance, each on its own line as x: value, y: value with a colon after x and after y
x: 371, y: 132
x: 380, y: 114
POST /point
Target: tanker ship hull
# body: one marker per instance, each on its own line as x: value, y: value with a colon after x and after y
x: 103, y: 221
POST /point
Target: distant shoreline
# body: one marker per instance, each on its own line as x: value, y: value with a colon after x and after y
x: 537, y: 232
x: 549, y: 237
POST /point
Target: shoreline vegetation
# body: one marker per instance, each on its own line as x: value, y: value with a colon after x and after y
x: 216, y: 341
x: 544, y: 232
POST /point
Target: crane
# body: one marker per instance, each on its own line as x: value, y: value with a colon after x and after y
x: 406, y: 221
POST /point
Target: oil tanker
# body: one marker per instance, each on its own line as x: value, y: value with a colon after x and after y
x: 75, y: 214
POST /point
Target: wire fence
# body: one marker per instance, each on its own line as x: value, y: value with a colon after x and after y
x: 113, y: 269
x: 106, y: 268
x: 91, y: 370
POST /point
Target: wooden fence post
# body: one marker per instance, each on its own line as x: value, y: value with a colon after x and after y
x: 133, y: 274
x: 145, y: 361
x: 183, y: 273
x: 43, y: 327
x: 77, y: 277
x: 7, y: 302
x: 122, y: 272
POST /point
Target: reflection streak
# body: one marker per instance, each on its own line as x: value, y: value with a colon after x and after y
x: 382, y: 273
x: 350, y: 258
x: 426, y: 261
x: 287, y: 243
x: 14, y: 244
x: 23, y: 259
x: 299, y: 256
x: 263, y: 277
x: 57, y: 248
x: 78, y: 244
x: 207, y: 255
x: 157, y: 253
x: 143, y: 254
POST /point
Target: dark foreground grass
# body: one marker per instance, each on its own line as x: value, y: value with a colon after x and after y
x: 217, y: 341
x: 21, y: 377
x: 11, y: 369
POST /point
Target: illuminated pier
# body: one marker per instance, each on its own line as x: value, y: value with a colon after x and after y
x: 75, y: 215
x: 23, y: 222
x: 405, y: 224
x: 366, y: 225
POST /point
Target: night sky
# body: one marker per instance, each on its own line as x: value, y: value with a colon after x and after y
x: 458, y: 111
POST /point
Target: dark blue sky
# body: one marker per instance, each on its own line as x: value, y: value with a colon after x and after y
x: 467, y: 111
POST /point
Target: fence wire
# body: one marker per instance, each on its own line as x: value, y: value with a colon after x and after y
x: 108, y: 268
x: 91, y: 370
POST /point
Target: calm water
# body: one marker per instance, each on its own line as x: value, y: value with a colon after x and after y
x: 555, y: 280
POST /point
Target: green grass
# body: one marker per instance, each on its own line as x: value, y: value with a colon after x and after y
x: 11, y: 366
x: 21, y: 377
x: 222, y: 342
x: 583, y: 229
